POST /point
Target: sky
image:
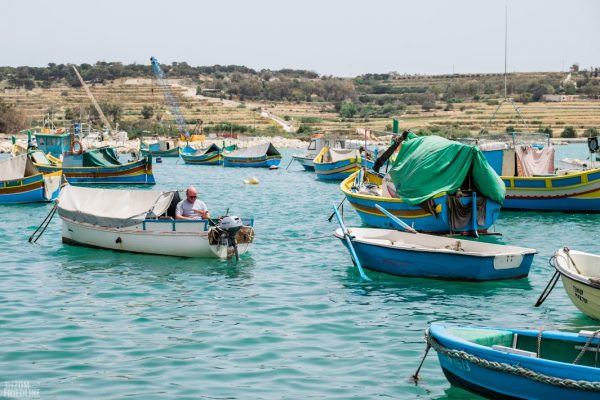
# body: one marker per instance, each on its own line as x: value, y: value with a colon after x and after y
x: 330, y: 37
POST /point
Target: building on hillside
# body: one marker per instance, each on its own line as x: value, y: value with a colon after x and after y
x: 558, y: 97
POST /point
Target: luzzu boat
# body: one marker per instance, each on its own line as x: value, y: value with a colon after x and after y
x: 525, y: 162
x: 161, y: 148
x: 518, y: 364
x: 21, y: 182
x: 307, y: 160
x: 260, y: 156
x: 211, y: 155
x: 580, y: 274
x: 141, y: 221
x: 338, y: 164
x: 434, y: 184
x: 87, y: 166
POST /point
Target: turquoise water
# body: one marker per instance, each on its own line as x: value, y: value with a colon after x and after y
x: 291, y: 320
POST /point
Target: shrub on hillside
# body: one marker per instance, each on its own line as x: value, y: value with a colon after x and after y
x: 568, y: 132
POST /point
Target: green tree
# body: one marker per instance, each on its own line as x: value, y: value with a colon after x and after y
x: 569, y: 132
x: 348, y: 109
x: 147, y: 112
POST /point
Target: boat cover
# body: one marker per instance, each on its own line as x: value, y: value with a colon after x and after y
x: 16, y: 168
x: 111, y: 208
x: 102, y: 157
x: 260, y: 150
x: 190, y: 151
x: 336, y: 155
x: 429, y: 165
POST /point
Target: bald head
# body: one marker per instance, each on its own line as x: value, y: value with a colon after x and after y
x: 192, y: 194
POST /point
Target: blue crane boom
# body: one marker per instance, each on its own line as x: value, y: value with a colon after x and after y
x: 169, y: 98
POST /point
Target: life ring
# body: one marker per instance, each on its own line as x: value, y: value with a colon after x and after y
x: 79, y: 149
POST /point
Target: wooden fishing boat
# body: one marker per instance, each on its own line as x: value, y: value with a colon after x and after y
x: 141, y: 222
x: 439, y: 217
x: 518, y: 364
x: 161, y: 148
x: 525, y: 162
x: 80, y: 165
x: 21, y: 182
x: 263, y: 155
x: 314, y: 147
x: 338, y: 164
x: 580, y: 274
x: 211, y: 155
x: 428, y: 256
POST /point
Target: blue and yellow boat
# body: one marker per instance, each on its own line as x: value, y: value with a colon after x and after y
x: 211, y: 155
x: 260, y: 156
x: 517, y: 363
x: 21, y: 182
x: 338, y: 164
x: 87, y: 166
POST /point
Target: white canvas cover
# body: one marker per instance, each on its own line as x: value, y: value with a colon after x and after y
x: 111, y: 208
x: 16, y: 168
x: 336, y: 155
x: 260, y: 150
x: 533, y: 161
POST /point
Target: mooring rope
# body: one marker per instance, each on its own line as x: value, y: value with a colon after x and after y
x: 44, y: 223
x: 512, y: 369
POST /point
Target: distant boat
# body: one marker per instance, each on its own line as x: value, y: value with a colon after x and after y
x: 525, y: 162
x: 21, y: 182
x: 161, y: 148
x: 580, y: 273
x: 338, y: 164
x: 79, y: 165
x: 262, y: 155
x: 428, y: 256
x: 211, y: 155
x: 518, y: 364
x: 314, y: 147
x: 140, y: 221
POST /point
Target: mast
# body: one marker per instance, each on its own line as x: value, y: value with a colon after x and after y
x: 505, y: 46
x: 91, y: 96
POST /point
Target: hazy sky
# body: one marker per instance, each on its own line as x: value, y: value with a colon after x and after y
x: 337, y: 37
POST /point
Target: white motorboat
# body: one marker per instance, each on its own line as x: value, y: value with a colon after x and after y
x: 140, y: 221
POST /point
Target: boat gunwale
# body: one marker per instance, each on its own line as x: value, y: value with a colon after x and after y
x: 565, y: 271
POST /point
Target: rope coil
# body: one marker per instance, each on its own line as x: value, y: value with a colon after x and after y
x: 511, y: 369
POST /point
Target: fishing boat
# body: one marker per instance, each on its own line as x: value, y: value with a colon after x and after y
x: 160, y: 148
x: 263, y: 155
x: 211, y: 155
x: 314, y: 147
x: 434, y: 184
x: 428, y: 256
x: 525, y: 162
x: 580, y: 274
x: 141, y: 221
x: 62, y: 152
x: 338, y: 164
x: 21, y: 182
x: 518, y: 364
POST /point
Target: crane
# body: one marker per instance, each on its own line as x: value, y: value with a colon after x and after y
x: 87, y: 90
x: 170, y: 99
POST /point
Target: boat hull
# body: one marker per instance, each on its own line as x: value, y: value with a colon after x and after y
x: 576, y: 192
x: 251, y: 162
x: 339, y: 170
x: 174, y: 152
x: 162, y: 237
x: 414, y: 215
x: 28, y: 190
x: 584, y: 297
x: 490, y: 377
x: 138, y: 172
x: 213, y: 158
x: 419, y: 261
x: 307, y: 162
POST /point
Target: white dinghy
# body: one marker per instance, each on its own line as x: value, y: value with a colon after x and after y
x: 138, y: 221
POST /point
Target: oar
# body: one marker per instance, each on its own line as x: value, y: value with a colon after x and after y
x: 333, y: 213
x: 397, y: 220
x: 291, y: 161
x: 350, y: 246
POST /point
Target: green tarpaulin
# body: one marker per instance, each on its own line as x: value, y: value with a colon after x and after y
x: 103, y: 157
x: 428, y: 165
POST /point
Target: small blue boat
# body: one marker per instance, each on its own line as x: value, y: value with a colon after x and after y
x: 428, y: 256
x: 260, y: 156
x: 21, y: 182
x: 518, y: 364
x: 211, y: 155
x: 338, y: 164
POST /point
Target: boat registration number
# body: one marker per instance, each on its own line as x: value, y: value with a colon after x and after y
x: 507, y: 261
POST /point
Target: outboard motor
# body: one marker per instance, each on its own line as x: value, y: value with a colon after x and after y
x: 230, y: 225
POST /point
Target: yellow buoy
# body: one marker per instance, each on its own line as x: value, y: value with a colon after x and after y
x: 251, y: 181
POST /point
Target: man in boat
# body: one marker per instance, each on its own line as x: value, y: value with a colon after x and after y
x: 191, y: 208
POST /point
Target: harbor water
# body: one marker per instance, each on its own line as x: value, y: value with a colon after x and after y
x: 291, y: 320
